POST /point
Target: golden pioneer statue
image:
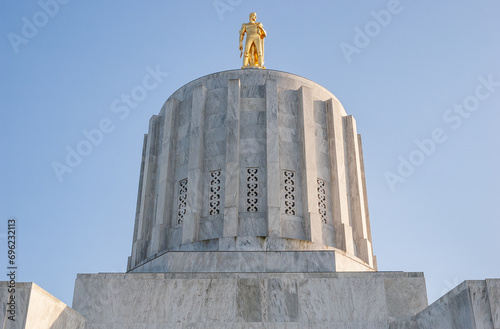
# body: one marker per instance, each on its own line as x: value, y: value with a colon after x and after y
x: 254, y: 44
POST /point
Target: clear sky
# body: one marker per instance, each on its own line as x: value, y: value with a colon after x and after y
x: 422, y: 79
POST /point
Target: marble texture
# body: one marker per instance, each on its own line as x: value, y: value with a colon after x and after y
x: 470, y: 305
x: 247, y: 300
x: 312, y: 222
x: 191, y: 223
x: 36, y: 308
x: 264, y: 120
x: 385, y: 300
x: 253, y: 261
x: 253, y: 254
x: 338, y: 187
x: 272, y: 159
x: 355, y: 193
x: 493, y: 290
x: 230, y: 226
x: 166, y: 182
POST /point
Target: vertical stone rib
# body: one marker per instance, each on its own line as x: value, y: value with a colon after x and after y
x: 138, y: 223
x: 148, y: 195
x: 230, y: 225
x: 272, y: 153
x: 311, y: 216
x: 191, y: 223
x: 363, y: 185
x: 356, y: 197
x: 166, y: 179
x: 365, y: 199
x: 339, y: 205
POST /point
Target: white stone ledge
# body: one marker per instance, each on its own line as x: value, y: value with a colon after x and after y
x: 254, y: 261
x: 252, y: 254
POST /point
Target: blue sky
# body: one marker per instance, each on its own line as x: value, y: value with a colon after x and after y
x: 411, y: 72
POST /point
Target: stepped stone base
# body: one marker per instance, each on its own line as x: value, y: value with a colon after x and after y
x: 253, y: 254
x: 248, y: 300
x: 388, y: 300
x: 254, y: 261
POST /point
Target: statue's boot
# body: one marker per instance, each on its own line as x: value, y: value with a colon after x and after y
x: 261, y: 62
x: 246, y: 59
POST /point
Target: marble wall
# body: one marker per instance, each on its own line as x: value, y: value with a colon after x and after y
x: 36, y: 308
x: 470, y: 305
x: 248, y: 300
x: 251, y: 153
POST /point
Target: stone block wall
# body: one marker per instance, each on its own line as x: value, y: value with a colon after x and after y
x: 248, y: 300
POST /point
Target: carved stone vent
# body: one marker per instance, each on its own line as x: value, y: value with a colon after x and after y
x: 215, y: 192
x: 183, y: 184
x: 289, y: 184
x: 322, y: 199
x: 252, y: 189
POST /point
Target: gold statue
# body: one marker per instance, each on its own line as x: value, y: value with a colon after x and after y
x: 254, y: 44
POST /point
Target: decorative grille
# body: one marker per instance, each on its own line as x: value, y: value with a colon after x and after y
x: 252, y: 189
x: 322, y: 199
x: 215, y: 192
x: 289, y: 184
x: 182, y: 199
